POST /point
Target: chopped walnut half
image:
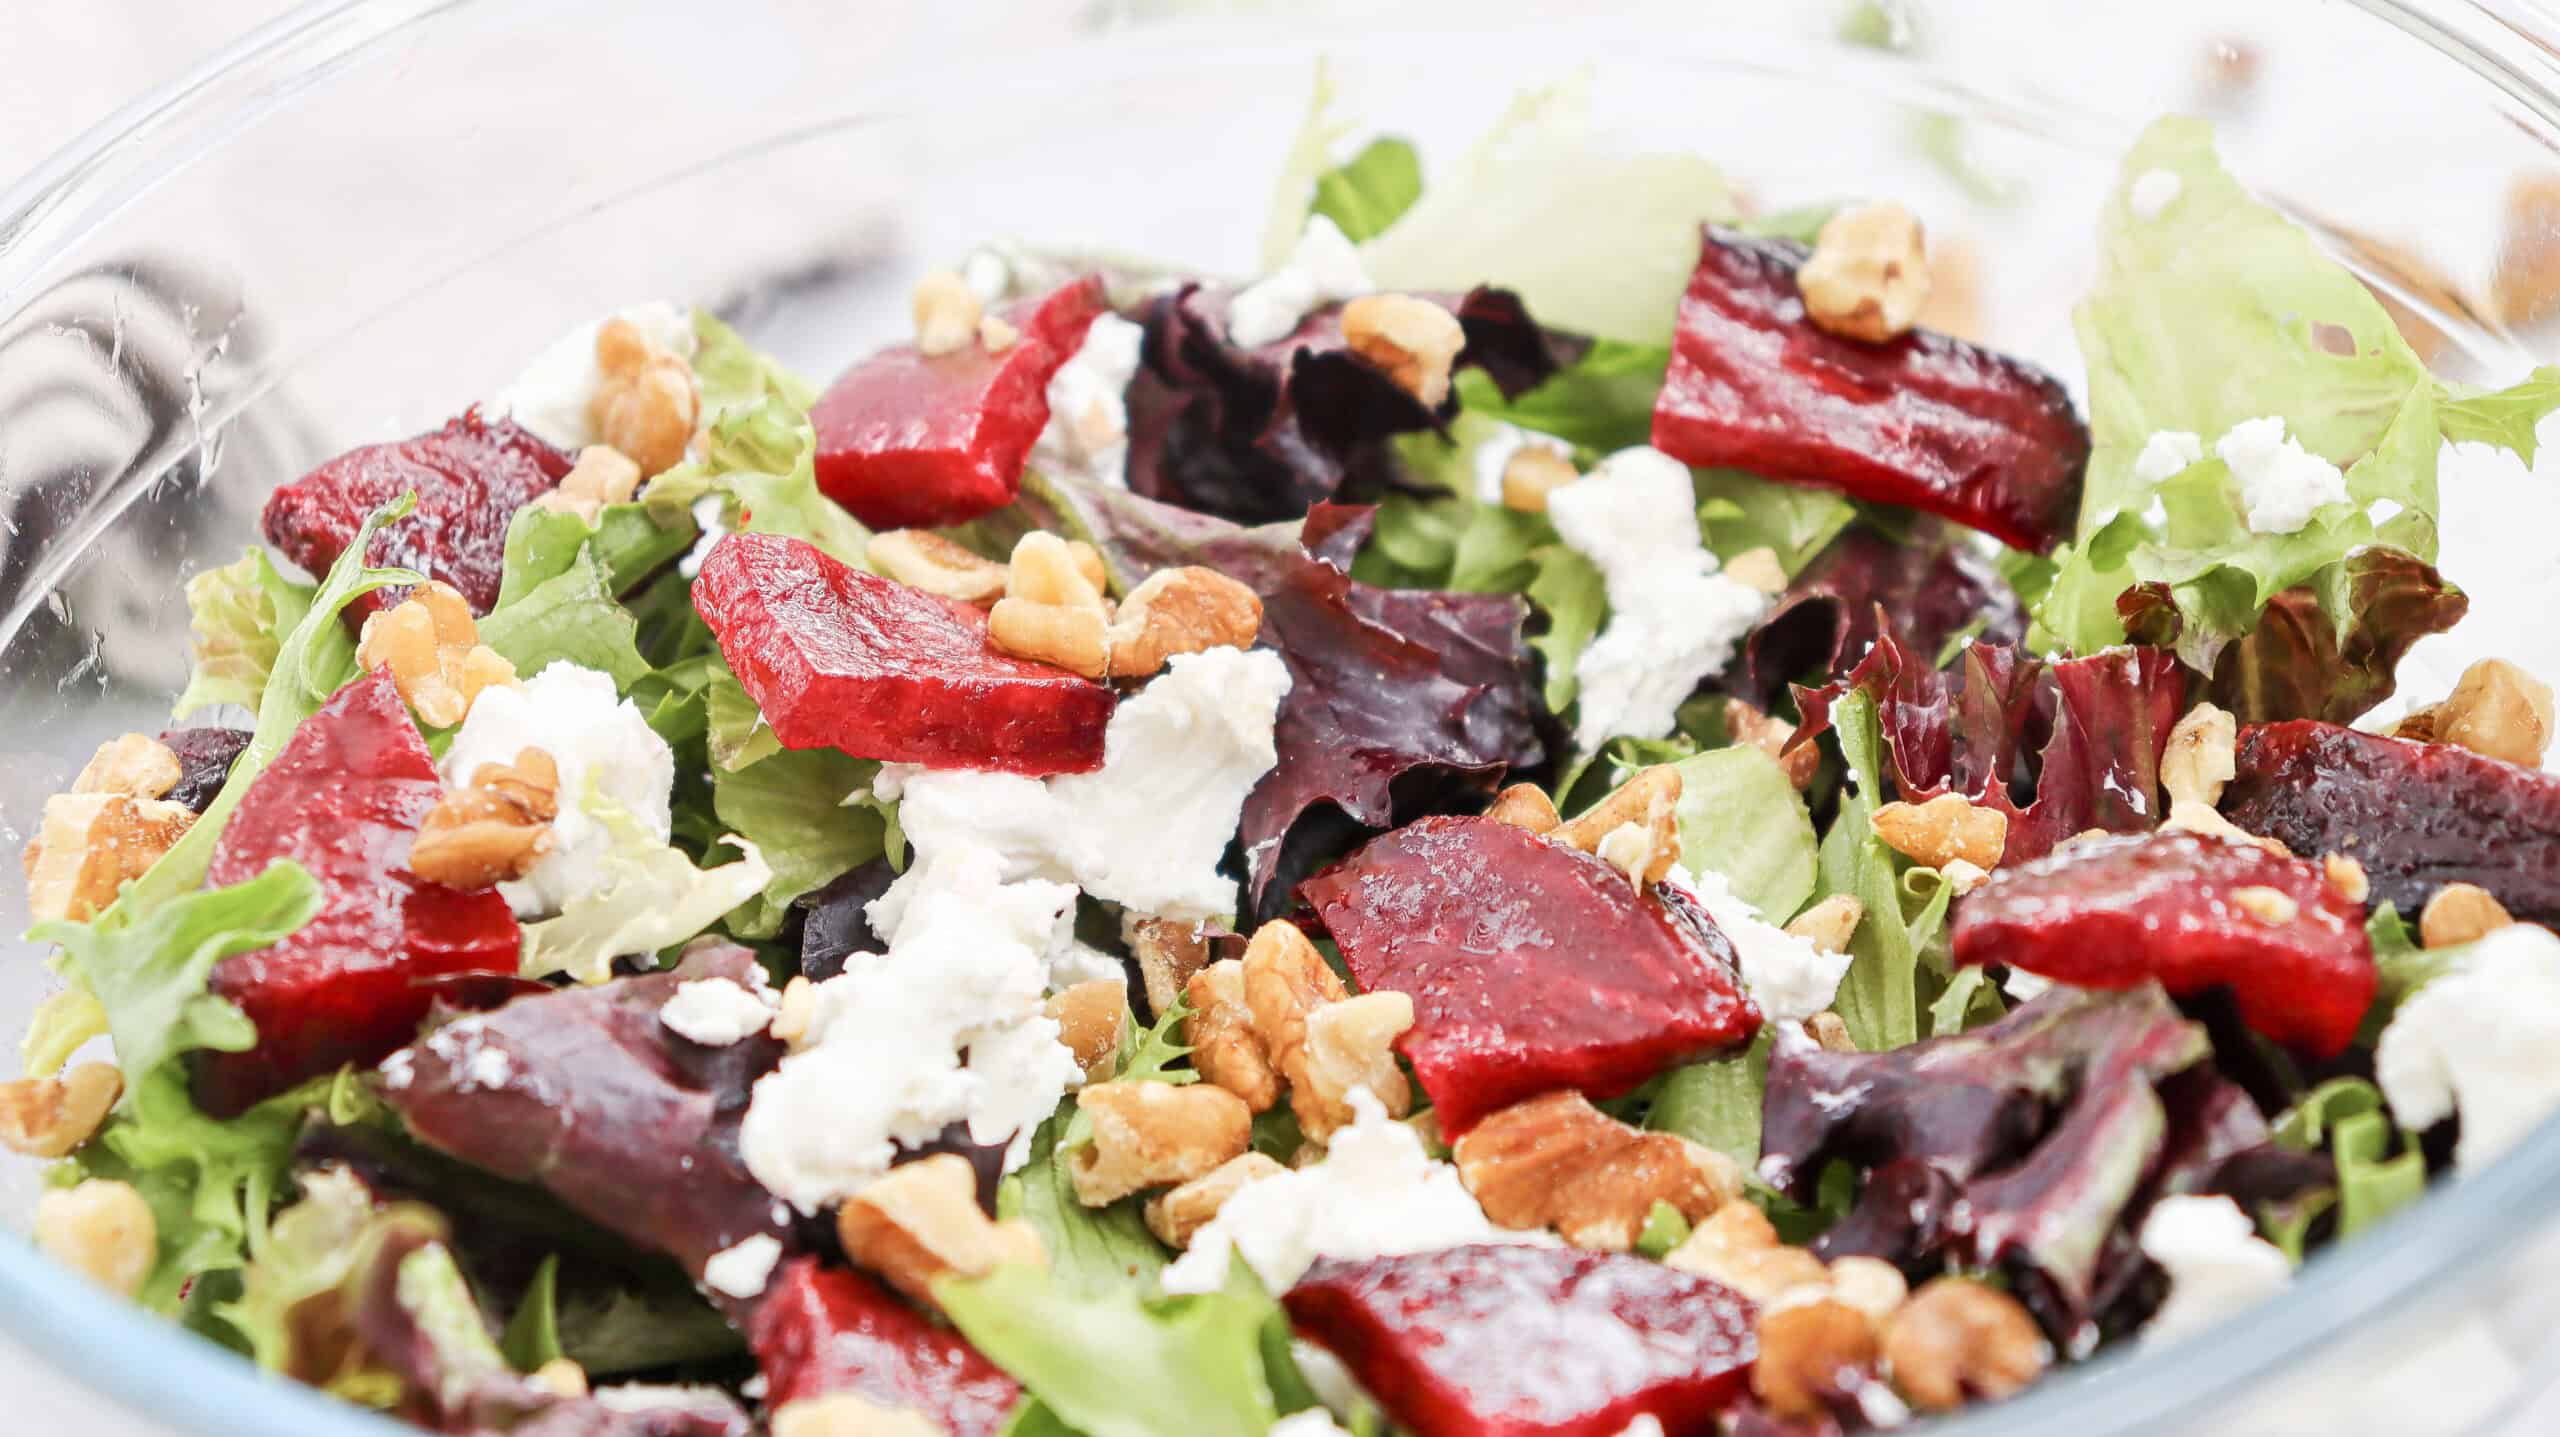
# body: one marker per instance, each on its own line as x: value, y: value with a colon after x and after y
x: 1531, y: 474
x: 849, y: 1414
x: 1046, y: 569
x: 946, y: 313
x: 1286, y: 983
x: 1068, y: 637
x: 1868, y: 275
x: 1525, y: 805
x: 50, y: 1117
x: 1181, y: 611
x: 1811, y: 1355
x: 647, y: 404
x: 1957, y: 1340
x: 493, y: 831
x: 922, y: 1221
x: 1150, y: 1135
x: 1168, y: 953
x: 2200, y: 757
x: 1176, y: 1215
x: 432, y: 646
x: 1557, y: 1161
x: 91, y: 845
x: 1224, y: 1046
x: 1649, y: 801
x: 1830, y: 924
x: 1351, y: 1048
x: 1943, y: 830
x: 2499, y: 711
x: 1412, y: 339
x: 603, y: 475
x: 135, y: 764
x: 1749, y: 725
x: 2460, y: 913
x: 1737, y: 1247
x: 1092, y: 1019
x: 101, y: 1229
x: 925, y: 560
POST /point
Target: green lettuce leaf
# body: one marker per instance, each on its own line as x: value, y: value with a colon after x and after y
x: 1571, y: 592
x: 2349, y: 1117
x: 1602, y: 402
x: 1741, y: 817
x: 1372, y: 190
x: 736, y: 731
x: 1093, y: 1252
x: 812, y: 810
x: 237, y: 617
x: 60, y: 1024
x: 2503, y: 417
x: 652, y: 897
x: 1664, y: 1229
x: 759, y: 453
x: 299, y: 1294
x: 1293, y: 193
x: 571, y: 614
x: 1717, y: 1103
x: 1881, y: 996
x: 532, y: 1336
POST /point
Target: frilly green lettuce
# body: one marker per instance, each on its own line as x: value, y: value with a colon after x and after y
x: 237, y: 617
x: 652, y: 897
x: 813, y: 811
x: 759, y: 453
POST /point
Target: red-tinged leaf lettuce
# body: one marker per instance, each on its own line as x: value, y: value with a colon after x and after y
x: 2082, y: 737
x: 1930, y: 587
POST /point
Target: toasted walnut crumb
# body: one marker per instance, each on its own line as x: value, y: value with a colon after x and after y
x: 1737, y: 1247
x: 1168, y: 953
x: 1046, y: 569
x: 1532, y: 474
x: 1092, y: 1019
x: 1525, y: 805
x: 1413, y: 340
x: 1957, y: 1340
x: 2267, y: 905
x: 2346, y: 877
x: 2499, y: 711
x: 101, y: 1229
x: 795, y: 1011
x: 1868, y: 275
x: 1350, y: 1048
x: 2190, y: 816
x: 922, y: 1221
x: 1811, y: 1354
x: 1148, y: 1135
x: 647, y: 404
x: 1224, y: 1046
x: 1962, y: 876
x: 1067, y: 637
x: 996, y: 334
x: 493, y: 831
x: 91, y: 845
x: 1830, y: 1032
x: 1176, y: 1215
x: 946, y: 313
x: 2460, y: 913
x: 1871, y: 1285
x: 925, y: 560
x: 603, y: 475
x: 432, y: 646
x: 1557, y: 1161
x: 2200, y: 756
x: 1943, y: 830
x: 1650, y: 800
x: 562, y: 1377
x: 1181, y: 611
x: 136, y: 765
x: 49, y: 1117
x: 1748, y: 725
x: 1758, y: 568
x: 847, y: 1414
x: 1830, y: 924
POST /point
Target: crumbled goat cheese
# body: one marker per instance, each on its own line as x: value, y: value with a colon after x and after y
x: 717, y: 1012
x: 2165, y: 455
x: 552, y: 396
x: 711, y: 516
x: 2281, y: 483
x: 2483, y: 1039
x: 1673, y: 620
x: 1377, y: 1193
x: 1324, y: 269
x: 742, y: 1271
x: 2217, y: 1263
x: 1314, y: 1422
x: 1788, y: 976
x: 638, y: 1398
x: 1087, y: 436
x: 606, y: 753
x: 2152, y: 192
x: 1495, y: 455
x: 2026, y: 987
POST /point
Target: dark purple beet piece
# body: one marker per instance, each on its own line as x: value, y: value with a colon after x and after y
x: 1925, y: 421
x: 2417, y: 815
x: 1531, y: 1341
x: 205, y: 756
x: 1925, y: 588
x: 1532, y: 966
x: 829, y: 1329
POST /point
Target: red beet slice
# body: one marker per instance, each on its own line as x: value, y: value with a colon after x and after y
x: 829, y: 1329
x: 2417, y: 815
x: 1531, y: 1341
x: 344, y: 799
x: 837, y: 658
x: 910, y: 440
x: 1926, y: 420
x: 471, y: 477
x: 2111, y: 913
x: 1532, y: 967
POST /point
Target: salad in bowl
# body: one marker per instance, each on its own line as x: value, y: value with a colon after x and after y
x: 1445, y: 838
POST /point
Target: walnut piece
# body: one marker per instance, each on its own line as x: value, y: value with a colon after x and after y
x: 1412, y: 339
x: 1812, y: 1354
x: 849, y: 1414
x: 1224, y: 1046
x: 1176, y: 1215
x: 1650, y: 802
x: 1531, y: 474
x: 1068, y: 637
x: 922, y: 1221
x: 646, y: 406
x: 1168, y: 953
x: 2271, y: 906
x: 1868, y: 275
x: 1957, y: 1340
x: 925, y: 560
x: 432, y: 646
x: 1830, y: 924
x: 946, y: 313
x: 1092, y: 1019
x: 101, y: 1229
x: 2499, y: 711
x: 1830, y: 1032
x: 2200, y: 757
x: 2460, y: 913
x: 2346, y: 877
x: 795, y: 1011
x: 1525, y: 805
x: 1869, y: 1284
x: 1351, y: 1048
x: 1151, y: 1135
x: 2191, y: 816
x: 1748, y: 725
x: 1181, y: 611
x: 562, y: 1377
x: 1737, y: 1247
x: 1046, y: 569
x: 91, y: 844
x: 134, y: 764
x: 997, y: 334
x: 493, y: 831
x: 603, y: 475
x: 1285, y: 982
x: 1556, y: 1161
x: 50, y: 1117
x: 1943, y: 830
x: 1759, y: 568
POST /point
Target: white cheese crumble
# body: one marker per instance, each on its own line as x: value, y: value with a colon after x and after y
x: 1087, y: 436
x: 2167, y: 454
x: 717, y: 1012
x: 552, y: 396
x: 2153, y: 191
x: 1324, y: 269
x: 1375, y: 1194
x: 2217, y: 1263
x: 2483, y: 1039
x: 1673, y: 620
x: 2281, y: 483
x: 711, y: 516
x: 743, y: 1270
x: 1314, y: 1422
x: 606, y: 752
x: 1788, y: 976
x: 1495, y: 455
x: 2026, y: 987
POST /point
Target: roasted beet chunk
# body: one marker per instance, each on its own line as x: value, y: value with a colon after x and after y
x: 911, y: 440
x: 1531, y: 1341
x: 1531, y: 966
x: 344, y: 799
x: 470, y: 477
x: 825, y: 1329
x: 2417, y: 815
x: 205, y: 756
x: 2193, y: 912
x: 1925, y: 421
x: 837, y: 658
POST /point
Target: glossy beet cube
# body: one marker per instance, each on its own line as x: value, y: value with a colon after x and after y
x: 1924, y: 420
x: 2417, y: 815
x: 470, y: 477
x: 2193, y: 912
x: 837, y: 658
x: 1532, y: 966
x: 1502, y: 1341
x: 910, y: 440
x: 830, y: 1329
x: 344, y: 799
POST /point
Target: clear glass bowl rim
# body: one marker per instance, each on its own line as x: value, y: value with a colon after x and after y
x: 162, y: 1372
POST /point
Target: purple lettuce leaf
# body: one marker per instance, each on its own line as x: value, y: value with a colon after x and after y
x: 1926, y: 587
x: 837, y: 924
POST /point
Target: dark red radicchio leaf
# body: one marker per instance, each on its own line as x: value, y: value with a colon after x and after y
x: 586, y: 1093
x: 1926, y: 588
x: 821, y: 1330
x: 2030, y: 1140
x: 1263, y: 433
x: 2095, y: 728
x: 2332, y: 649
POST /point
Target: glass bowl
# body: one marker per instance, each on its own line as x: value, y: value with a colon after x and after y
x: 365, y: 215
